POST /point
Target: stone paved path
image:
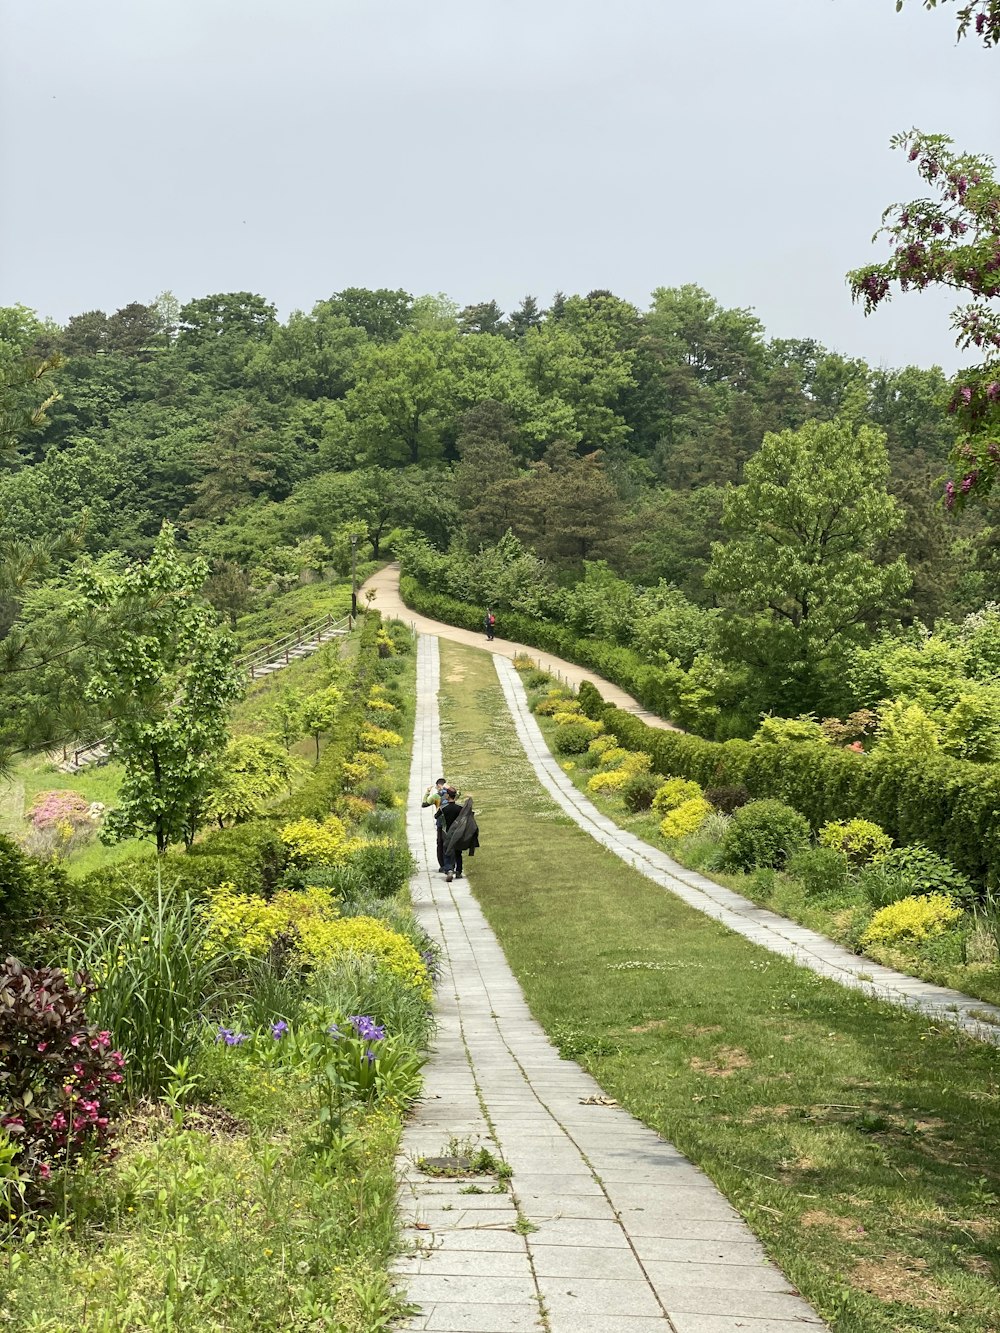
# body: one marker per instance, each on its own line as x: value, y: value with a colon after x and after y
x: 606, y: 1228
x: 768, y: 929
x: 385, y: 584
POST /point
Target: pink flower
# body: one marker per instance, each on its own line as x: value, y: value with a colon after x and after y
x: 42, y: 1046
x: 115, y: 1078
x: 44, y: 1170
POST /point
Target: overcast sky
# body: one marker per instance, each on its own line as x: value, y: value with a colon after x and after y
x: 483, y: 148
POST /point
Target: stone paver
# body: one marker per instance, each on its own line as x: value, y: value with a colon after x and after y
x: 605, y: 1228
x: 803, y: 946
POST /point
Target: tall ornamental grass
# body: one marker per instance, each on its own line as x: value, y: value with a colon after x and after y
x: 156, y: 977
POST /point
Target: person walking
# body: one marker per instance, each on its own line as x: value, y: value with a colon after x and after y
x: 447, y: 815
x: 433, y: 796
x: 461, y: 835
x: 489, y: 625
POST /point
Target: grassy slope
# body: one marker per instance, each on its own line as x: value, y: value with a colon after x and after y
x: 856, y: 1139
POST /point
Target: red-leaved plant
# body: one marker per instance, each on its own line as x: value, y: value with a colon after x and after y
x: 60, y: 1081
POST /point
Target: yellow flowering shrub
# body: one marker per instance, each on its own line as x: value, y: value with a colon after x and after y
x: 613, y: 756
x: 611, y: 781
x: 674, y: 792
x: 685, y: 818
x: 247, y: 925
x: 601, y: 743
x: 578, y: 720
x: 384, y: 644
x: 361, y: 766
x: 912, y: 919
x: 310, y: 842
x: 558, y: 701
x: 860, y: 840
x: 353, y: 808
x: 365, y: 937
x: 372, y: 737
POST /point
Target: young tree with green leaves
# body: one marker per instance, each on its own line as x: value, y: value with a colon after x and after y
x: 249, y: 772
x: 167, y: 679
x: 799, y: 575
x: 319, y: 712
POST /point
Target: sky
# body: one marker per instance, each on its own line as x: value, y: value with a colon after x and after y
x: 481, y: 148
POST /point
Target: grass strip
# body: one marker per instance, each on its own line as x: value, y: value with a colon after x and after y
x: 856, y: 1138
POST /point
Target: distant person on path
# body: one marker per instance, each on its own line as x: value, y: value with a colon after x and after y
x: 489, y: 625
x: 461, y: 835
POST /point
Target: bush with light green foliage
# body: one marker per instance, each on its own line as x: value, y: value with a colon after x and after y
x: 764, y: 833
x: 685, y: 818
x: 860, y: 840
x: 639, y: 791
x: 791, y: 731
x: 912, y: 920
x: 823, y: 872
x: 674, y: 792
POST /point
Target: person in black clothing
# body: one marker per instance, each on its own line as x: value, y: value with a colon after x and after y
x: 449, y: 812
x: 489, y: 625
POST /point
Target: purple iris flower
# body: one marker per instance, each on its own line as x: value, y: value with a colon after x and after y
x: 279, y: 1029
x: 366, y: 1027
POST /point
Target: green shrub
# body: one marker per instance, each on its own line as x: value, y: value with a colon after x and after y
x: 912, y: 871
x: 33, y: 896
x: 571, y: 738
x: 728, y: 799
x: 536, y: 679
x: 639, y: 790
x: 822, y: 871
x: 764, y: 833
x: 791, y: 731
x: 860, y: 840
x: 379, y: 868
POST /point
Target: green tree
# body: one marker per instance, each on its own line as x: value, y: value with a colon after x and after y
x: 798, y: 575
x: 382, y: 313
x: 285, y: 715
x: 249, y: 772
x: 245, y: 460
x: 166, y: 678
x: 319, y: 712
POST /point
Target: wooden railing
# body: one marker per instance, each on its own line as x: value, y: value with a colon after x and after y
x: 277, y: 654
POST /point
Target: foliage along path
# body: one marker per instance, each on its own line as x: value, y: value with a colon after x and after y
x: 776, y: 933
x: 385, y: 585
x: 604, y: 1225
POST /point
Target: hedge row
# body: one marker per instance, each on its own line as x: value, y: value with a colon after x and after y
x: 949, y: 805
x: 653, y: 686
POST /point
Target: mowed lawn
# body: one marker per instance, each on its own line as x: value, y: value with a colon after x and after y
x: 858, y: 1140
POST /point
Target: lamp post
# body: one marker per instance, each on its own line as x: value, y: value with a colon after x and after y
x: 354, y: 576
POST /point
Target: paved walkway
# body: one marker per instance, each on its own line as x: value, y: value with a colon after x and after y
x: 606, y: 1228
x: 385, y: 584
x: 768, y: 929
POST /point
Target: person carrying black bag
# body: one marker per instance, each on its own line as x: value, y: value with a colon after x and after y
x: 461, y: 835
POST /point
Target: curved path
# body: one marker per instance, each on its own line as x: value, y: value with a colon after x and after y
x: 385, y: 584
x: 605, y: 1228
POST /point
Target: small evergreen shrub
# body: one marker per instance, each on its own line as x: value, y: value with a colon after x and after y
x: 913, y: 871
x: 536, y: 679
x: 674, y: 792
x: 639, y: 790
x: 822, y: 871
x: 600, y: 744
x: 728, y: 799
x: 571, y: 738
x: 860, y: 840
x: 558, y: 700
x: 380, y: 867
x: 688, y: 817
x: 613, y: 756
x: 764, y: 833
x: 311, y: 843
x: 912, y: 920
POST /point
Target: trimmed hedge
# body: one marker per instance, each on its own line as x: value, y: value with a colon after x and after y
x: 653, y: 686
x: 949, y: 805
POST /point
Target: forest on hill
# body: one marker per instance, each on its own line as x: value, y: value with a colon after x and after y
x: 569, y: 464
